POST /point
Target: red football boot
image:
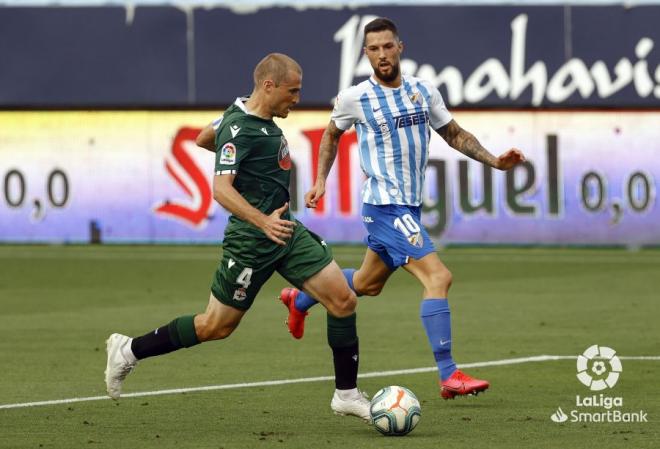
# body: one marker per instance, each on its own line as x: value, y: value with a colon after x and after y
x: 296, y: 319
x: 460, y: 384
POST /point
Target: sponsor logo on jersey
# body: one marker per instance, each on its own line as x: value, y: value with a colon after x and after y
x: 405, y: 120
x: 228, y: 154
x: 283, y: 157
x: 234, y: 130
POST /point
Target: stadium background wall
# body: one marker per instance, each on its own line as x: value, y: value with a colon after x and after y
x: 480, y: 56
x: 137, y: 176
x: 577, y: 88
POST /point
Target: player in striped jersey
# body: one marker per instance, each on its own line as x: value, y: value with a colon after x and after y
x: 394, y: 116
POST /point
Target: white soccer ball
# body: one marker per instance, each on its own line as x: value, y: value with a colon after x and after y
x: 395, y: 410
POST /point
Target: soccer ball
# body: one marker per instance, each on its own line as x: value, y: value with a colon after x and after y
x: 395, y: 410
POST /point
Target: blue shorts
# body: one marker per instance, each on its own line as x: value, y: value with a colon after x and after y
x: 396, y: 233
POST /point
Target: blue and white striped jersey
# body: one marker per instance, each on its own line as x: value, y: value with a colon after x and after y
x: 393, y: 131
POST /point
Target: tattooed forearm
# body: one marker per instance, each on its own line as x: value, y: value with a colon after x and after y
x: 466, y: 143
x: 328, y: 150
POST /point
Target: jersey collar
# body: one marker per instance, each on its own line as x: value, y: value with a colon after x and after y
x: 373, y: 81
x: 240, y: 102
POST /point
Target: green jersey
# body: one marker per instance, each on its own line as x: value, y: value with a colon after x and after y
x: 255, y: 150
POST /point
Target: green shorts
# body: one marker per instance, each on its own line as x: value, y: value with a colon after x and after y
x: 248, y: 262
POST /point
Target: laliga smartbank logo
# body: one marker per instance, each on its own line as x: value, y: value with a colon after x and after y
x: 599, y: 368
x: 595, y: 363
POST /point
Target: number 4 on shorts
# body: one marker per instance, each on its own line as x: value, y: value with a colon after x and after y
x: 244, y: 277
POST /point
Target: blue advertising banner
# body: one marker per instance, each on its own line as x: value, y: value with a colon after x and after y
x: 478, y: 56
x: 591, y: 178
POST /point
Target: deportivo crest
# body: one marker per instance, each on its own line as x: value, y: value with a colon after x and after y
x: 239, y: 294
x: 228, y: 154
x: 283, y: 157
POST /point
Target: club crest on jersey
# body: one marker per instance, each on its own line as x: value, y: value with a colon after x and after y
x: 228, y: 154
x: 416, y: 240
x: 416, y: 98
x: 240, y: 294
x: 283, y: 157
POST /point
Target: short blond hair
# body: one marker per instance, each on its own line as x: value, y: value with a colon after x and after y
x: 275, y: 67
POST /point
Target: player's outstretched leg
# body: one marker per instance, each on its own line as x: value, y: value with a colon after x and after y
x: 298, y: 303
x: 217, y: 322
x: 342, y: 338
x: 124, y: 352
x: 437, y: 323
x: 121, y: 362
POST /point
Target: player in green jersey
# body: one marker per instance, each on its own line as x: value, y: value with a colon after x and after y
x: 251, y: 181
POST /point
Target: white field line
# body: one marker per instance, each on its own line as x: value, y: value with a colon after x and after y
x: 537, y: 358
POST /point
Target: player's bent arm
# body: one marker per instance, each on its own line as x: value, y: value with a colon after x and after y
x: 206, y: 138
x: 328, y: 150
x: 466, y: 143
x: 463, y: 141
x: 327, y: 155
x: 272, y: 225
x: 229, y: 198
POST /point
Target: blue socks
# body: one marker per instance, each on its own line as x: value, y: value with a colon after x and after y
x: 348, y: 274
x: 304, y: 301
x: 437, y: 323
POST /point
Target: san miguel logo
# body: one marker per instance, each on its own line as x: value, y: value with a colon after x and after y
x: 192, y: 180
x: 283, y: 156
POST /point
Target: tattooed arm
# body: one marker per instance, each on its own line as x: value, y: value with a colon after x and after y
x: 327, y: 155
x: 463, y: 141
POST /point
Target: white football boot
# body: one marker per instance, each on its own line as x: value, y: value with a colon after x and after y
x: 121, y: 361
x: 351, y: 402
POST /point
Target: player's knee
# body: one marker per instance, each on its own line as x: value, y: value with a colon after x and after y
x: 441, y: 280
x: 344, y: 305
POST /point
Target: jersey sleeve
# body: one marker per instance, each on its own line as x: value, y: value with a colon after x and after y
x: 344, y: 113
x: 230, y: 149
x: 439, y: 114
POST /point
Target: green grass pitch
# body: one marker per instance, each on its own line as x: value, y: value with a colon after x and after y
x: 58, y: 304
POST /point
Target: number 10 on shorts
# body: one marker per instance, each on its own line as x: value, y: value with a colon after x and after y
x: 407, y: 225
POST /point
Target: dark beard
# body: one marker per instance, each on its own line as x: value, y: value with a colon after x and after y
x: 387, y: 78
